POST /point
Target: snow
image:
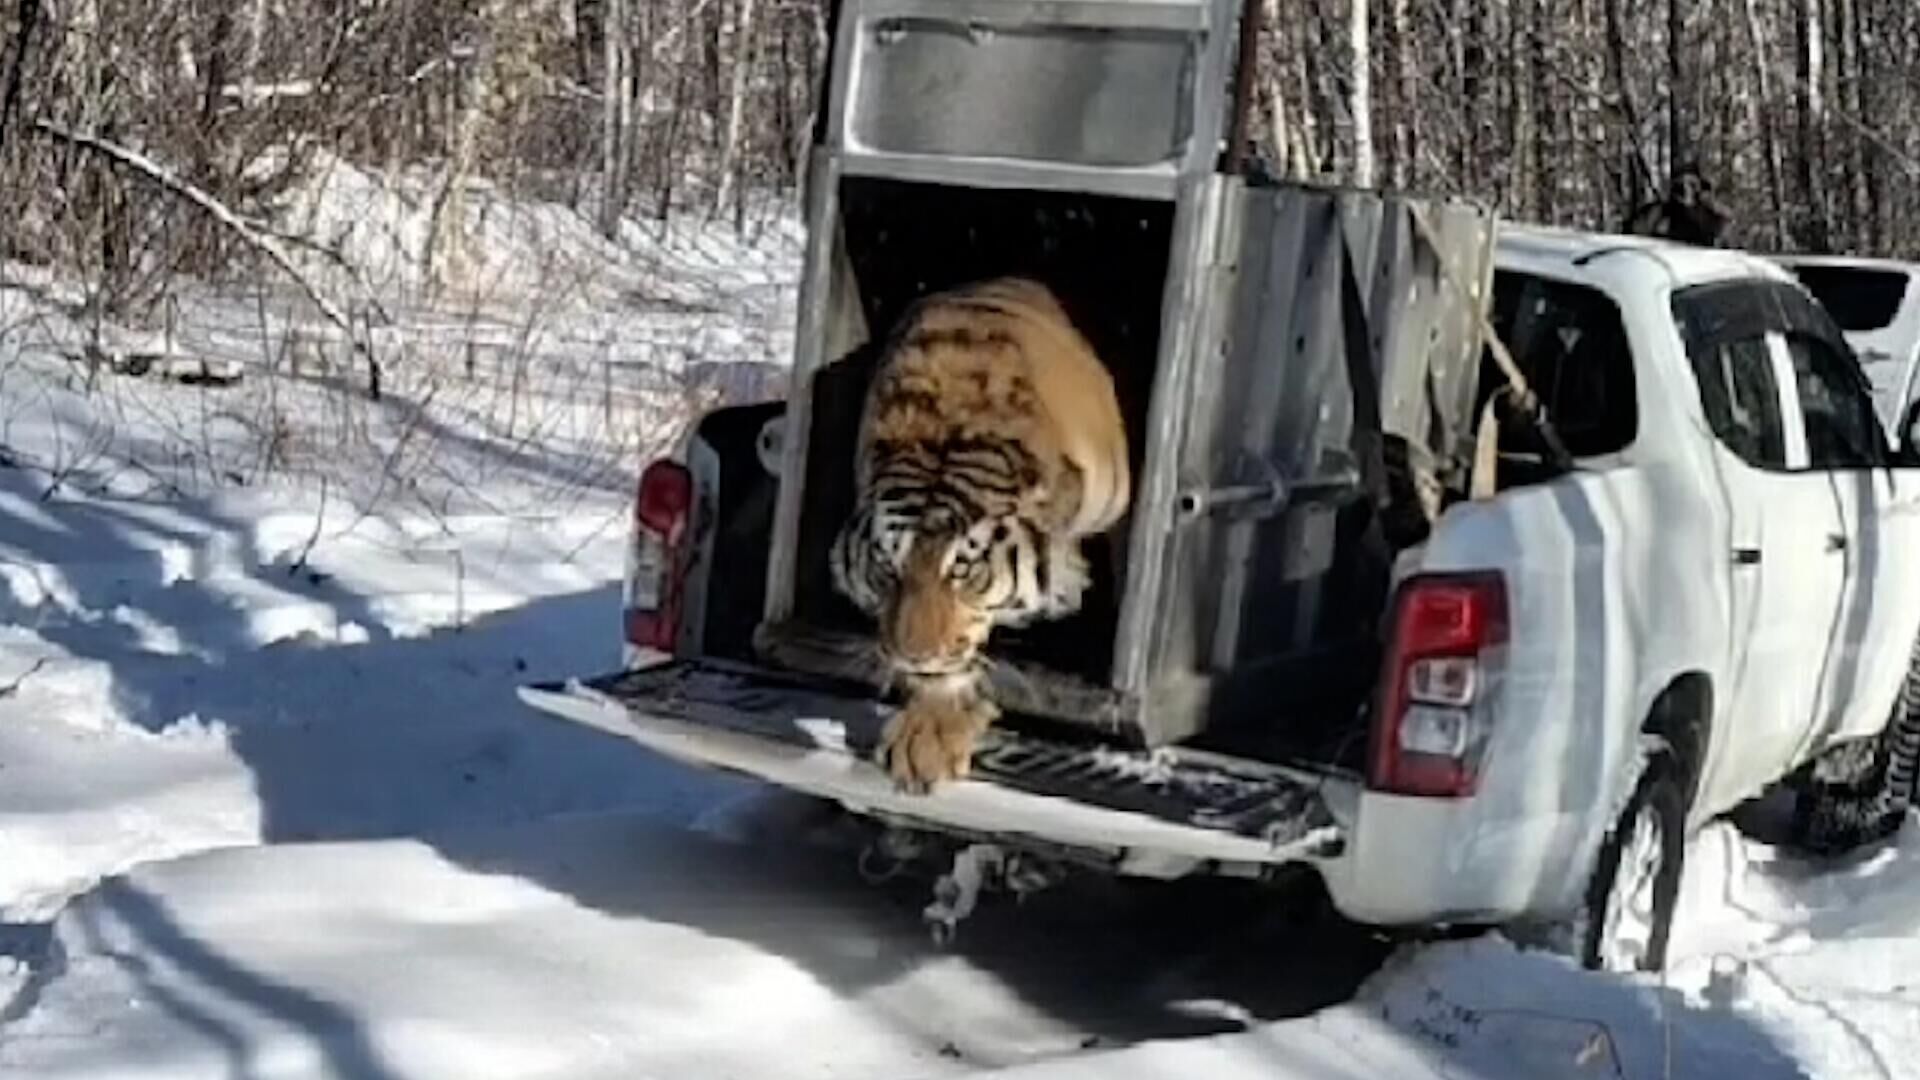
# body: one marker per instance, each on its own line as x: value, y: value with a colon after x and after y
x: 612, y: 945
x: 269, y: 806
x: 280, y: 609
x: 188, y: 698
x: 595, y: 939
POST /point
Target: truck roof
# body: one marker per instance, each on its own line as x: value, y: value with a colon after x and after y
x: 1860, y: 261
x: 1566, y: 252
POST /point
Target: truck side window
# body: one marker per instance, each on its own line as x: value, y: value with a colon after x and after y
x: 1742, y: 399
x: 1569, y: 341
x: 1857, y: 298
x: 1842, y: 431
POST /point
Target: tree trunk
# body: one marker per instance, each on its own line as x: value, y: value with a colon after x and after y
x: 730, y: 156
x: 1762, y: 105
x: 1679, y: 95
x: 250, y: 59
x: 1593, y: 122
x: 590, y: 37
x: 29, y: 19
x: 614, y: 127
x: 1406, y: 109
x: 1810, y: 72
x: 1871, y: 94
x: 1273, y: 90
x: 1545, y: 168
x: 1317, y: 100
x: 1853, y: 100
x: 1633, y: 188
x: 1470, y: 167
x: 447, y: 254
x: 1360, y: 91
x: 1518, y: 188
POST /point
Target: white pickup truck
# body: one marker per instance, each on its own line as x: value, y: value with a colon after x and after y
x: 1459, y: 671
x: 1722, y: 594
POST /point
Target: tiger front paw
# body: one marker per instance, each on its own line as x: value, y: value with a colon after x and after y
x: 932, y: 739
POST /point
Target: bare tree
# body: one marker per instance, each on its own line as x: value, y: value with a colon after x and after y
x: 1360, y: 86
x: 1679, y: 94
x: 1804, y: 114
x: 26, y: 21
x: 616, y: 111
x: 1761, y: 104
x: 1406, y: 110
x: 730, y: 148
x: 1811, y: 101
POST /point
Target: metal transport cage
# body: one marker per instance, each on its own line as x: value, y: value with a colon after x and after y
x: 1286, y: 355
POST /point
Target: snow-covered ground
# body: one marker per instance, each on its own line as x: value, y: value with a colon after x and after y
x: 269, y: 807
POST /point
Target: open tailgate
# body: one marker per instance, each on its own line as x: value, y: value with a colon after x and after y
x: 1165, y: 808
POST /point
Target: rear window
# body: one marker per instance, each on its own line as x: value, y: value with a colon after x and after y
x: 1858, y: 298
x: 1569, y: 342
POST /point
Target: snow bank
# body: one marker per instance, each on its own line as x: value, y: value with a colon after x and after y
x: 542, y: 384
x: 520, y: 248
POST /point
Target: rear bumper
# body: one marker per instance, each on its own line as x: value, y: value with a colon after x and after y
x: 1152, y: 814
x: 1424, y: 861
x: 1387, y: 860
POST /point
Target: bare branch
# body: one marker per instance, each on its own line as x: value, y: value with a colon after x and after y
x: 170, y: 181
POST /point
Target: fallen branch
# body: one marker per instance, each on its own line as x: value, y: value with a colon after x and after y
x: 214, y: 208
x: 332, y: 255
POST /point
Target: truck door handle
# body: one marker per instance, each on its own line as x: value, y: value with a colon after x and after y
x: 1746, y: 556
x: 1836, y: 542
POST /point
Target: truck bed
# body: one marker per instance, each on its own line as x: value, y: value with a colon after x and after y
x: 1154, y: 812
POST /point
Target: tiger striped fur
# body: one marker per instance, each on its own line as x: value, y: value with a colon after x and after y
x: 990, y: 446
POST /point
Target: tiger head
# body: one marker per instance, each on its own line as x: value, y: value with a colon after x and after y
x: 938, y: 589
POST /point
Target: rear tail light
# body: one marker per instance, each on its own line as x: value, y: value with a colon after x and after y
x: 1430, y: 723
x: 655, y: 566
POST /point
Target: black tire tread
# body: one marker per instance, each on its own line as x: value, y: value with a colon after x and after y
x: 1833, y: 818
x: 1664, y: 784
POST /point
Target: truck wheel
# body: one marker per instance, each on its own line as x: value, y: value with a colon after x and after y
x: 1869, y: 797
x: 1628, y: 913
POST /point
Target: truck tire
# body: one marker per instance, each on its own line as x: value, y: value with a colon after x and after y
x: 1870, y: 798
x: 1627, y: 915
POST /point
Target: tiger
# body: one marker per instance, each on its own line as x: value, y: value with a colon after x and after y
x: 990, y: 446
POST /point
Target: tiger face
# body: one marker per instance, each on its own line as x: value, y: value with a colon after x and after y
x: 938, y: 620
x: 937, y: 588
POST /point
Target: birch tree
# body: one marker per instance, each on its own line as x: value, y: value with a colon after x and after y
x: 1360, y: 99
